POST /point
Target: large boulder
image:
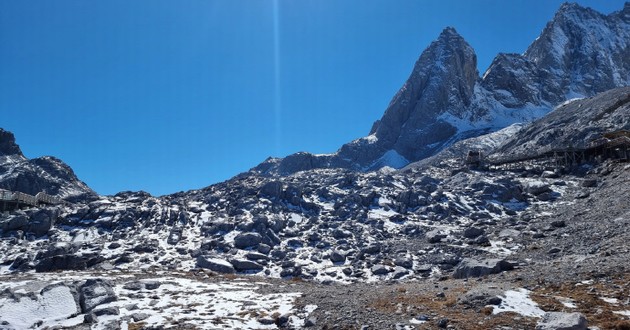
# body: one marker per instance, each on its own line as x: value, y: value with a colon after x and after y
x: 15, y: 221
x: 64, y: 256
x: 215, y: 265
x: 42, y: 221
x: 246, y: 240
x: 435, y: 236
x: 95, y: 292
x: 243, y: 265
x: 27, y: 307
x: 562, y: 321
x: 477, y: 268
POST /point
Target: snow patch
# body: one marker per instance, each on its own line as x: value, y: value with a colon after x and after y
x: 518, y: 301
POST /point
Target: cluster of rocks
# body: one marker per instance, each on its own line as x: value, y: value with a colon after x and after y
x: 84, y: 297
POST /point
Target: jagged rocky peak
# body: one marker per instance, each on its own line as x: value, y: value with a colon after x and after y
x: 512, y: 80
x: 43, y: 174
x: 444, y: 76
x: 581, y: 52
x: 443, y: 80
x: 625, y: 12
x: 8, y: 146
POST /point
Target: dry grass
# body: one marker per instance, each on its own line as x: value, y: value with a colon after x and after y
x: 136, y: 326
x: 459, y: 315
x: 588, y: 300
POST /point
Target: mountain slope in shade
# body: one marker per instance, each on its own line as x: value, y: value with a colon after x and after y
x: 43, y: 174
x: 579, y: 53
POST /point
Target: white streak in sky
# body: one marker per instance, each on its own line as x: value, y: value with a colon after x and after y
x: 277, y: 110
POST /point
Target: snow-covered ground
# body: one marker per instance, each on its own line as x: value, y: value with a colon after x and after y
x: 207, y: 303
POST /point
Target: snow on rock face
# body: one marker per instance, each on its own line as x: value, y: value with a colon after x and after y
x: 55, y: 303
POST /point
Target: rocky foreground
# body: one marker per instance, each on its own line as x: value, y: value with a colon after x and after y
x: 569, y: 256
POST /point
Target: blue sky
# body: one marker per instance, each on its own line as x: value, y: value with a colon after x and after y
x: 165, y: 96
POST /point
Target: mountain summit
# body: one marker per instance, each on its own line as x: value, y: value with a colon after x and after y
x: 579, y: 53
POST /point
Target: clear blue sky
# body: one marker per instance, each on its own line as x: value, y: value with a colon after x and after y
x: 166, y: 96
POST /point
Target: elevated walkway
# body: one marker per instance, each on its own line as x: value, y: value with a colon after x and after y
x: 10, y: 200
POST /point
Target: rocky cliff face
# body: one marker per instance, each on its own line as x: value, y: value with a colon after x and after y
x: 43, y: 174
x: 579, y: 53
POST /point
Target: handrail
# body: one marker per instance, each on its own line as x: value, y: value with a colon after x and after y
x: 23, y: 198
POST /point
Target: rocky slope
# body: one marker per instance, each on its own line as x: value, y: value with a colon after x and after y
x: 433, y: 245
x: 579, y: 53
x: 44, y: 174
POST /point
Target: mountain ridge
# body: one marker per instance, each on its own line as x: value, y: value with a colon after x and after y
x: 579, y: 53
x: 43, y: 174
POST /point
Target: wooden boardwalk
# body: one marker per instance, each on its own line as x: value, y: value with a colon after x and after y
x: 613, y: 145
x: 16, y: 199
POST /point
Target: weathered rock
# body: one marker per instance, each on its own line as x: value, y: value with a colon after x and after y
x: 537, y: 187
x: 106, y: 311
x: 379, y: 270
x: 243, y: 265
x: 336, y: 256
x: 42, y: 220
x: 404, y: 262
x: 399, y: 272
x: 435, y: 236
x: 216, y: 265
x: 137, y: 317
x: 18, y: 220
x: 246, y: 240
x: 472, y: 232
x: 96, y: 292
x: 477, y: 268
x: 562, y: 321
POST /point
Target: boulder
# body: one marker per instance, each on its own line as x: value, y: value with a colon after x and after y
x: 537, y: 187
x: 336, y: 256
x: 272, y: 189
x: 472, y: 232
x: 379, y: 270
x: 562, y: 321
x: 399, y: 272
x: 477, y: 268
x: 216, y: 265
x: 63, y: 256
x: 246, y: 240
x: 18, y: 220
x: 404, y: 262
x: 42, y: 221
x: 243, y: 265
x: 435, y: 236
x: 95, y: 292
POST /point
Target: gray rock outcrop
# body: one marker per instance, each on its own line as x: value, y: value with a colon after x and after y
x: 477, y: 268
x: 562, y: 321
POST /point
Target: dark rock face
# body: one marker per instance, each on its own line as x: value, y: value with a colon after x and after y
x: 579, y: 53
x: 443, y: 78
x: 8, y: 147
